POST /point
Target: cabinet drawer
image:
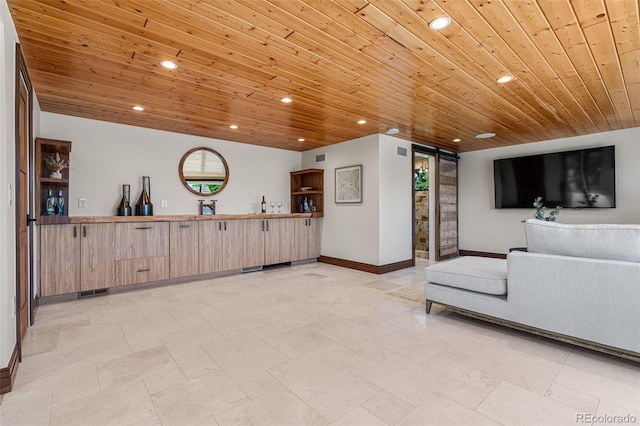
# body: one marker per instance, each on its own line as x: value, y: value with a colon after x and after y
x: 134, y: 271
x: 141, y: 240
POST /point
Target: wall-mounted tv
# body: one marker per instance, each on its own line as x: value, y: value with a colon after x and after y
x: 583, y: 178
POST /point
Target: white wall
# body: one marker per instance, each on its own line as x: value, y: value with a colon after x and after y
x: 104, y: 156
x: 395, y: 181
x: 8, y: 38
x: 484, y: 228
x: 378, y: 230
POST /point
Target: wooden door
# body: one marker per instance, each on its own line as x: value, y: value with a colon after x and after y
x: 278, y: 245
x: 210, y: 242
x: 253, y: 243
x: 59, y: 259
x: 232, y: 244
x: 447, y: 208
x: 184, y: 260
x: 97, y: 253
x: 22, y: 209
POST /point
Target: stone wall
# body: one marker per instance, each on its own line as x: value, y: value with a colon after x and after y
x: 422, y: 221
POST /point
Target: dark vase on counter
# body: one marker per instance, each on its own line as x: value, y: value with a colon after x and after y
x: 124, y: 209
x: 144, y: 206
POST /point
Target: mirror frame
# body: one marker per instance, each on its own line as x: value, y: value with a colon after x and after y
x: 184, y: 181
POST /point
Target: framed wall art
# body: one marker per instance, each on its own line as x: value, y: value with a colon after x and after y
x: 349, y: 184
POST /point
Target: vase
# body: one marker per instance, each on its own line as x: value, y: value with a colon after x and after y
x: 50, y: 203
x: 144, y: 206
x: 56, y: 174
x: 124, y: 209
x: 59, y: 209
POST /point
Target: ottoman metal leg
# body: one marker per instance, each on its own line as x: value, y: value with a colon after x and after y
x: 427, y: 306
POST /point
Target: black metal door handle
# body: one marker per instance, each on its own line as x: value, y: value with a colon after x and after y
x: 30, y: 219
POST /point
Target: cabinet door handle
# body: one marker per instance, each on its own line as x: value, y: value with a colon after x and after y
x: 84, y: 231
x: 225, y: 225
x: 75, y: 232
x: 267, y: 222
x: 185, y: 226
x: 144, y: 270
x: 144, y: 227
x: 219, y: 226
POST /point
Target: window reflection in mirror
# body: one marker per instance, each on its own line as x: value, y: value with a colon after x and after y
x: 203, y: 171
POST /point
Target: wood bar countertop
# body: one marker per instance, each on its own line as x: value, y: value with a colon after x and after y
x: 186, y: 217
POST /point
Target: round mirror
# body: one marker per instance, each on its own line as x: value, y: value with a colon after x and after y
x: 203, y: 171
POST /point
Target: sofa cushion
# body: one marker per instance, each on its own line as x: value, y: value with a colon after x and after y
x: 479, y: 274
x: 610, y: 242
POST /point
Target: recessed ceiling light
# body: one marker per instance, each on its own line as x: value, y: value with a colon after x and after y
x: 505, y: 79
x: 485, y: 135
x: 169, y: 65
x: 457, y: 140
x: 300, y: 139
x: 286, y: 100
x: 393, y: 131
x: 138, y: 108
x: 233, y: 126
x: 362, y: 121
x: 440, y: 23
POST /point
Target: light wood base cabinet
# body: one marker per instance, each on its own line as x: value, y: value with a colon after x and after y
x: 97, y: 256
x: 253, y: 243
x: 268, y: 241
x: 59, y: 259
x: 184, y: 249
x: 76, y: 258
x: 278, y: 242
x: 146, y: 269
x: 91, y: 256
x: 221, y: 245
x: 306, y: 241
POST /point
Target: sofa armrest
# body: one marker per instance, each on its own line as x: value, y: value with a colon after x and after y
x: 591, y: 299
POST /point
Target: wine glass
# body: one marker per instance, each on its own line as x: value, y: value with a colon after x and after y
x: 279, y: 204
x: 272, y: 204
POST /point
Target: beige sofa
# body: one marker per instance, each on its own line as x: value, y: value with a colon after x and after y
x: 577, y: 283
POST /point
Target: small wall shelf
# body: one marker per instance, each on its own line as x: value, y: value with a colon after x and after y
x: 43, y: 183
x: 312, y: 179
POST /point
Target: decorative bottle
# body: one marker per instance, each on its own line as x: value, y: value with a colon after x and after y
x: 124, y: 209
x: 59, y: 203
x: 263, y: 205
x: 50, y: 204
x: 306, y: 205
x: 144, y: 206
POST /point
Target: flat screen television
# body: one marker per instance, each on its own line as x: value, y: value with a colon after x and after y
x: 583, y: 178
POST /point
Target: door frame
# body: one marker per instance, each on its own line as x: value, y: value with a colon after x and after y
x: 22, y: 78
x: 434, y: 191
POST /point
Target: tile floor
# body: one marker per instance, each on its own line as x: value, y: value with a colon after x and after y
x: 312, y: 344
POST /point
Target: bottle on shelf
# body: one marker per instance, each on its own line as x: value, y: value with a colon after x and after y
x: 263, y: 205
x: 50, y: 204
x: 59, y: 209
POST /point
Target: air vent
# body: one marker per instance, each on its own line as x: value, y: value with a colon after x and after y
x: 91, y: 293
x: 402, y: 151
x: 251, y: 269
x: 321, y: 158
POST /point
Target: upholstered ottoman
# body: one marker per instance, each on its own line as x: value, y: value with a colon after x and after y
x: 468, y: 282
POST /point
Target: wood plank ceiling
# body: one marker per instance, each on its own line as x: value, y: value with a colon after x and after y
x: 575, y: 63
